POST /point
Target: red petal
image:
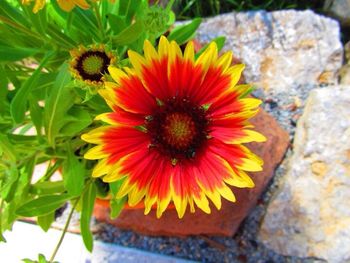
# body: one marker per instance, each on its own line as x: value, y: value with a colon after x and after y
x: 132, y: 96
x: 155, y: 77
x: 212, y: 86
x: 184, y: 181
x: 146, y: 168
x: 184, y: 78
x: 226, y: 104
x: 121, y: 116
x: 121, y: 141
x: 232, y: 153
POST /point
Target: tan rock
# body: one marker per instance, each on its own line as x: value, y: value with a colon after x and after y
x: 227, y: 220
x: 310, y: 214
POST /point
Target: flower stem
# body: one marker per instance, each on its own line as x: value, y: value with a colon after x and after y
x: 64, y: 230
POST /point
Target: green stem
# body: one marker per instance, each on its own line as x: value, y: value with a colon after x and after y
x: 64, y: 231
x: 99, y: 20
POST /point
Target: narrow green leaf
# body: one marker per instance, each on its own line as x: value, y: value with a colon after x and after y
x: 129, y: 34
x: 3, y: 90
x: 36, y: 114
x: 184, y: 33
x: 47, y: 188
x: 60, y: 37
x: 42, y: 205
x: 8, y: 53
x: 73, y: 173
x: 58, y: 102
x: 13, y: 13
x: 86, y: 213
x: 9, y: 183
x: 38, y: 20
x: 45, y: 221
x: 19, y: 102
x: 117, y: 206
x: 220, y: 42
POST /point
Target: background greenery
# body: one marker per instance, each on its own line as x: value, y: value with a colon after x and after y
x: 192, y: 8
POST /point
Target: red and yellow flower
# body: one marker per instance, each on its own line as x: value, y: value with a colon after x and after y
x: 176, y: 129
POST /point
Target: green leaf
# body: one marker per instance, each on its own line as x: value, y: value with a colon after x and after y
x: 36, y: 114
x: 45, y: 221
x: 220, y: 42
x: 41, y: 259
x: 73, y: 173
x: 60, y: 38
x: 7, y: 148
x: 117, y: 206
x: 47, y: 188
x: 3, y: 90
x: 42, y: 205
x: 117, y: 23
x: 13, y: 13
x: 184, y: 33
x: 58, y: 102
x: 8, y: 215
x: 19, y: 102
x: 38, y: 20
x: 128, y: 8
x: 77, y: 120
x: 9, y: 184
x: 10, y: 53
x: 129, y: 34
x: 86, y: 213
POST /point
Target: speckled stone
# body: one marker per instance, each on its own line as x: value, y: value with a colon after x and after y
x: 310, y: 216
x: 282, y: 50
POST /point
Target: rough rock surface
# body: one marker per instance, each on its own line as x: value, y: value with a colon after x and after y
x: 310, y: 215
x: 227, y: 220
x: 345, y: 70
x: 340, y: 9
x: 283, y: 50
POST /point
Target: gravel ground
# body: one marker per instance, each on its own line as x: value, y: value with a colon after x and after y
x: 244, y: 246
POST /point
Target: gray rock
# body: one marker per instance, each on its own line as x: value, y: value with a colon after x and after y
x: 340, y: 9
x: 310, y: 214
x: 282, y: 50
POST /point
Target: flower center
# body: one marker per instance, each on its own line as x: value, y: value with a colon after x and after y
x: 178, y: 128
x: 92, y: 64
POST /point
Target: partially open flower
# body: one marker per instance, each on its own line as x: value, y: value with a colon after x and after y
x: 66, y: 5
x: 38, y: 5
x: 90, y: 64
x: 176, y: 129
